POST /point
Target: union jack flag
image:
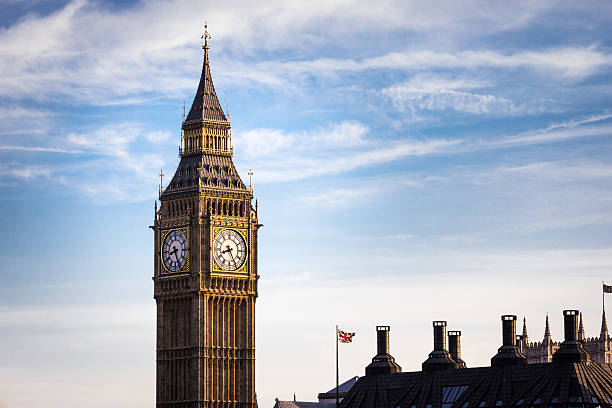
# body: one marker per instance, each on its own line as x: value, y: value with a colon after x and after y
x: 344, y: 337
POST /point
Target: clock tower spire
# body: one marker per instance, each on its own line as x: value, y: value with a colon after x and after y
x: 205, y: 267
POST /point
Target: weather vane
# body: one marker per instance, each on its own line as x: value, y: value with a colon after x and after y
x: 205, y: 36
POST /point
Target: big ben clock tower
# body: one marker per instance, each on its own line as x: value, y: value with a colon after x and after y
x: 205, y: 277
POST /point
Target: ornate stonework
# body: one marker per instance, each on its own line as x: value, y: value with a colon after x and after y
x: 206, y: 290
x: 541, y: 352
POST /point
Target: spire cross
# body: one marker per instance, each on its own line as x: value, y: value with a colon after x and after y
x: 205, y: 36
x: 250, y: 173
x: 161, y: 177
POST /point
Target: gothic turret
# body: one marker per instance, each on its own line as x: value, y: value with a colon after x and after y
x: 603, y: 335
x: 581, y: 337
x: 547, y: 337
x: 525, y: 337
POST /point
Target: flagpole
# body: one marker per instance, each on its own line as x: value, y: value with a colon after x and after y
x: 337, y: 375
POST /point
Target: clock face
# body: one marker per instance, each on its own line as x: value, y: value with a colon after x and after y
x: 174, y: 251
x: 229, y: 250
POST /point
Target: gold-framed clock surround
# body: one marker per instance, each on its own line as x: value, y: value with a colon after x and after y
x: 165, y: 272
x: 241, y: 226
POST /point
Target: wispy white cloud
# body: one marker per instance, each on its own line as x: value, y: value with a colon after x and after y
x: 39, y: 149
x: 571, y: 62
x: 29, y: 172
x: 127, y: 173
x: 265, y: 142
x: 317, y: 159
x: 548, y: 172
x: 85, y: 52
x: 435, y: 93
x: 120, y: 166
x: 279, y: 156
x: 550, y: 136
x: 116, y: 162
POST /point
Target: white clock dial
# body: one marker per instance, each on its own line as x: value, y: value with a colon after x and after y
x: 174, y: 251
x: 229, y: 250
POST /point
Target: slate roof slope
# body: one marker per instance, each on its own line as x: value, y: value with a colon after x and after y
x: 218, y: 173
x: 206, y: 106
x: 342, y: 389
x: 539, y: 385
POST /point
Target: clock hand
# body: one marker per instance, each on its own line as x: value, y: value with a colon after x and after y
x: 174, y: 253
x: 228, y: 249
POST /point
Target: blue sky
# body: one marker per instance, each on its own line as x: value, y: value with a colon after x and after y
x: 413, y: 161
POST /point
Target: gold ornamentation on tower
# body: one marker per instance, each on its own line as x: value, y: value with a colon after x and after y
x: 205, y: 278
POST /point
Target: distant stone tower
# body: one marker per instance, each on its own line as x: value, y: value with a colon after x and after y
x: 542, y: 352
x: 205, y: 277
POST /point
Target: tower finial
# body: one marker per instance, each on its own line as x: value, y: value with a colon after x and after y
x: 205, y: 36
x: 603, y: 335
x: 581, y: 329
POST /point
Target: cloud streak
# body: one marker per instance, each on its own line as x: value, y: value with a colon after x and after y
x: 287, y: 156
x: 39, y: 149
x: 434, y: 93
x: 86, y: 53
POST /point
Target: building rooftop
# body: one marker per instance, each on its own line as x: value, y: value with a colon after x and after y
x: 572, y: 379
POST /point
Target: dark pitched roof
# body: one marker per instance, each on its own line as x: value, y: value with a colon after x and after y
x: 547, y: 384
x: 206, y: 106
x: 218, y: 173
x: 342, y: 389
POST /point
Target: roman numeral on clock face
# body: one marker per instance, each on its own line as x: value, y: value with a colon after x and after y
x: 174, y: 252
x: 229, y: 250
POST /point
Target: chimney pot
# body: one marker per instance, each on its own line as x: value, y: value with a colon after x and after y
x: 439, y: 335
x: 571, y: 350
x: 454, y: 347
x: 509, y: 330
x: 383, y: 362
x: 382, y: 339
x: 570, y: 322
x: 439, y: 358
x: 508, y: 353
